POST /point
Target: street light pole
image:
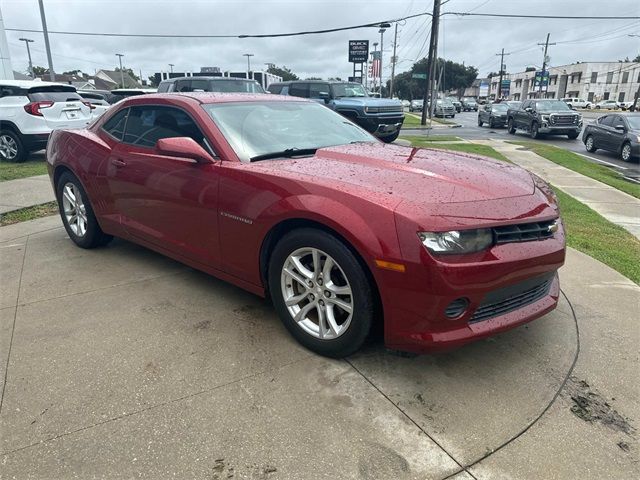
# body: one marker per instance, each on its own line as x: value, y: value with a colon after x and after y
x: 248, y: 55
x: 383, y: 28
x: 171, y: 67
x: 52, y: 75
x: 373, y: 62
x: 27, y: 41
x: 120, y: 55
x: 393, y: 60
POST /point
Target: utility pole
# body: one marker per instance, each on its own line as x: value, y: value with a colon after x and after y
x: 27, y: 41
x: 47, y: 47
x: 248, y: 55
x: 171, y: 67
x: 544, y: 63
x: 383, y: 28
x: 120, y: 55
x: 499, y: 92
x: 393, y: 60
x: 432, y: 59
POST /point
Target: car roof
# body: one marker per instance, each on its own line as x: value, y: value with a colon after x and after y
x: 198, y: 77
x: 33, y: 84
x: 218, y: 97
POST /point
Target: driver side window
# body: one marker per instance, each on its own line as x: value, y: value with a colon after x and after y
x: 146, y: 125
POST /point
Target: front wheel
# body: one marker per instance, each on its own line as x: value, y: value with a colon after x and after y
x: 390, y: 138
x: 625, y: 153
x: 491, y: 123
x: 533, y: 132
x: 511, y: 127
x: 321, y: 292
x: 77, y: 215
x: 479, y: 122
x: 590, y: 144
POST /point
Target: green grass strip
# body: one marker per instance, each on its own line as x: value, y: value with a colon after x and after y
x: 579, y: 164
x: 591, y: 233
x: 12, y: 171
x: 28, y: 213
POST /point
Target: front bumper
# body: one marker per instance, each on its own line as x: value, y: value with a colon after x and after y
x: 381, y: 125
x: 508, y: 275
x: 35, y: 141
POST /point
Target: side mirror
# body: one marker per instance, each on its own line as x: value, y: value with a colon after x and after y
x: 620, y: 127
x: 183, y: 147
x: 528, y: 110
x: 324, y: 96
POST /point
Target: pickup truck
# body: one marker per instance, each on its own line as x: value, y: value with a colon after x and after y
x: 380, y: 116
x: 538, y: 117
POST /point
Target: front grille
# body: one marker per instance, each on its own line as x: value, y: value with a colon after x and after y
x: 508, y: 299
x: 390, y: 109
x: 564, y: 119
x: 525, y: 232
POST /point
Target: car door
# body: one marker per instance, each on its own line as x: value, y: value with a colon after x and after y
x: 485, y: 113
x: 603, y: 135
x: 521, y: 115
x: 617, y: 135
x: 167, y: 201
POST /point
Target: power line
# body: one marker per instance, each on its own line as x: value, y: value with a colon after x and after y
x: 557, y: 17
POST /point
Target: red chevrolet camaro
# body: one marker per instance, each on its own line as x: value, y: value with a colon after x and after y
x: 283, y: 197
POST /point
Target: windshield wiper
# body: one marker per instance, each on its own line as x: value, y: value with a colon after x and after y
x: 287, y: 153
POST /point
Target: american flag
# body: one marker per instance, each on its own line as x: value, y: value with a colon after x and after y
x: 375, y: 67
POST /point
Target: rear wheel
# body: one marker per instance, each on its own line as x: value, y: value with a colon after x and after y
x: 511, y: 127
x: 533, y: 132
x: 390, y: 138
x: 321, y: 292
x: 77, y: 215
x: 625, y: 153
x: 11, y: 147
x: 590, y: 144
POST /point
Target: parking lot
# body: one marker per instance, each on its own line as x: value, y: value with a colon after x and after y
x: 124, y: 363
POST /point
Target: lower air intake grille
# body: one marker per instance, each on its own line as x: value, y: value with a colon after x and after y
x: 512, y: 298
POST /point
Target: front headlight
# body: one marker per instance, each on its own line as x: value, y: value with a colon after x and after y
x: 370, y: 109
x: 457, y: 241
x: 545, y: 118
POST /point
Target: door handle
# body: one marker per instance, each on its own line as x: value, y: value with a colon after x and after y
x: 118, y: 163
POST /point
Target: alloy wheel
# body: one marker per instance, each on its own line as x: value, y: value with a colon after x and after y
x: 626, y: 152
x: 74, y: 209
x: 8, y: 147
x: 589, y: 143
x: 317, y: 293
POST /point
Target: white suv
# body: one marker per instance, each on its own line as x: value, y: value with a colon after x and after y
x: 574, y: 102
x: 30, y: 110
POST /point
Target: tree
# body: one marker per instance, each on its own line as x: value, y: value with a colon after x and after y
x: 152, y: 81
x: 313, y: 78
x: 451, y: 76
x: 77, y: 72
x: 129, y: 72
x: 283, y: 72
x: 530, y: 69
x: 637, y: 59
x: 37, y: 70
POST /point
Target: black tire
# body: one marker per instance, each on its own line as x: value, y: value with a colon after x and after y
x: 625, y: 152
x: 20, y: 154
x: 533, y: 131
x: 390, y: 138
x: 511, y: 127
x: 93, y: 236
x: 479, y: 121
x: 491, y: 125
x: 362, y: 297
x: 590, y: 144
x: 573, y: 135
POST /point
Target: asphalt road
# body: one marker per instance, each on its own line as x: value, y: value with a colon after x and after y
x: 470, y: 130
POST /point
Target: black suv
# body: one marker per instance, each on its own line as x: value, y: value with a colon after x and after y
x: 210, y: 84
x: 545, y: 116
x: 380, y: 116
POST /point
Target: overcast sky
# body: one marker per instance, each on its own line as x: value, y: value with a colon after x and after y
x: 472, y: 40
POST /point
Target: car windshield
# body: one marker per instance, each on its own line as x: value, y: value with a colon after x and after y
x: 551, y: 106
x: 256, y: 129
x: 500, y: 107
x: 348, y: 90
x: 634, y: 122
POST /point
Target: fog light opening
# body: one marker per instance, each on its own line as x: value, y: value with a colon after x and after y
x: 456, y: 308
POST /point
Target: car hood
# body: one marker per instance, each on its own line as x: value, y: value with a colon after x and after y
x: 368, y: 101
x: 404, y: 174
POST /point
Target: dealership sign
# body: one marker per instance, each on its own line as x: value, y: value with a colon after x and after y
x: 541, y: 80
x: 358, y: 51
x: 505, y: 88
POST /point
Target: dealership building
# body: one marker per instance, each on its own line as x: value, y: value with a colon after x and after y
x: 593, y: 81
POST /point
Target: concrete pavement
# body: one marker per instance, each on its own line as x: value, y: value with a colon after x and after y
x: 122, y: 363
x: 25, y: 192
